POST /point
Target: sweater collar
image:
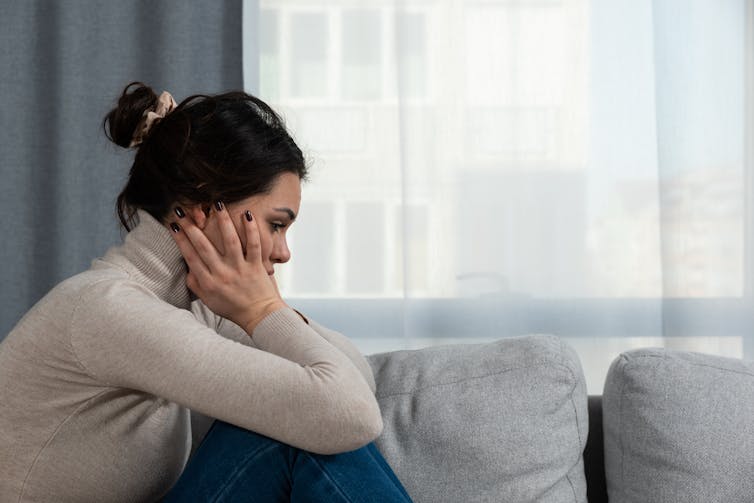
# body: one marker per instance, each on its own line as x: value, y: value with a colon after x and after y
x: 151, y: 257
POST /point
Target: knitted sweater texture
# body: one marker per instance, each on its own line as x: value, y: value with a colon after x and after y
x: 97, y: 379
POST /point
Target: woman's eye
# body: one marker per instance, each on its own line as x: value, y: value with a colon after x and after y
x: 276, y: 226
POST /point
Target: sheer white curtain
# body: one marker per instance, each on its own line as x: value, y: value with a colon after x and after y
x: 491, y: 168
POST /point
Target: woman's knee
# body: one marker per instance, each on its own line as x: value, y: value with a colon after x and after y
x: 232, y: 433
x: 233, y: 444
x: 233, y: 461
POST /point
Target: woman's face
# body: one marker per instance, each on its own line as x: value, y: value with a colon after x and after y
x: 274, y: 213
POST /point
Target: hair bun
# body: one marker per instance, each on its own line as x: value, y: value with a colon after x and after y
x: 120, y: 123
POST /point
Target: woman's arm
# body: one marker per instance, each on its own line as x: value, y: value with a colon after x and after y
x: 293, y: 385
x: 345, y: 345
x: 296, y: 388
x: 222, y: 326
x: 230, y: 330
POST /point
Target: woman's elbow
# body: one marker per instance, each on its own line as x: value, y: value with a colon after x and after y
x: 352, y: 416
x: 359, y: 424
x: 373, y: 422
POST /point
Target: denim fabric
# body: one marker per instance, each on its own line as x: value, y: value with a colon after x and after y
x: 237, y: 465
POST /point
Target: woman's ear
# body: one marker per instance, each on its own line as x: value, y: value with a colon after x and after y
x: 198, y: 214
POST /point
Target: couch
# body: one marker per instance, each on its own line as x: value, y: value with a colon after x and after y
x: 510, y: 421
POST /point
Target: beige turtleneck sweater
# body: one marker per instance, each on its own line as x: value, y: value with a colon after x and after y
x: 97, y: 379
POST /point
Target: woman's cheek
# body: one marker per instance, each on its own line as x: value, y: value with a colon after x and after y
x: 264, y: 244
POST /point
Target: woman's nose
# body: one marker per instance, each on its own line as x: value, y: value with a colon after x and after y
x: 280, y: 252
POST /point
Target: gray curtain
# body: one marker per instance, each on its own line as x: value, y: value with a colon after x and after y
x: 63, y: 65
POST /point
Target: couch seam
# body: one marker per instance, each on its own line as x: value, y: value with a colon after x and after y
x: 620, y: 424
x: 573, y: 489
x: 575, y: 416
x: 697, y: 364
x: 543, y: 364
x: 561, y: 365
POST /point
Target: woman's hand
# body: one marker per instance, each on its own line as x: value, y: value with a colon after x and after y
x: 231, y: 284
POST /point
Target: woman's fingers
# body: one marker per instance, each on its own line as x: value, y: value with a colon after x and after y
x: 190, y: 255
x: 231, y: 285
x: 253, y: 242
x: 231, y: 243
x: 201, y: 244
x: 194, y: 212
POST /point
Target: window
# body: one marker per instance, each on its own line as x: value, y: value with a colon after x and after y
x: 307, y: 66
x: 491, y: 168
x: 362, y: 54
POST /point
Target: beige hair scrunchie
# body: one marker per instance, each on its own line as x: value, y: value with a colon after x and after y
x: 165, y: 105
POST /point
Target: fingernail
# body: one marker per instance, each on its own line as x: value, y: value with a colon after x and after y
x: 219, y: 205
x: 174, y: 226
x: 179, y: 212
x: 248, y: 215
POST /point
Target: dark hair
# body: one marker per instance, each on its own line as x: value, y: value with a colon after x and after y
x: 224, y: 147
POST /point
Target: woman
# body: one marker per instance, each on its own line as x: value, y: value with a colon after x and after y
x: 97, y: 379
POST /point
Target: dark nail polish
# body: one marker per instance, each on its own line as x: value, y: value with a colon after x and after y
x: 248, y: 215
x: 219, y: 205
x: 174, y: 226
x: 179, y: 212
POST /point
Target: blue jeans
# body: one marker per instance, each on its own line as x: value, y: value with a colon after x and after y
x: 237, y: 465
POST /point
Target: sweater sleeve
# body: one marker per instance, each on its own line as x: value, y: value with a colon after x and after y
x: 222, y: 326
x: 296, y: 387
x: 347, y: 347
x: 228, y: 329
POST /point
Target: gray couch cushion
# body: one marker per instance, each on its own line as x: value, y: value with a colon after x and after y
x: 679, y: 427
x: 502, y: 421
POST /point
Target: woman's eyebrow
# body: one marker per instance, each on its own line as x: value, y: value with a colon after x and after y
x: 289, y: 211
